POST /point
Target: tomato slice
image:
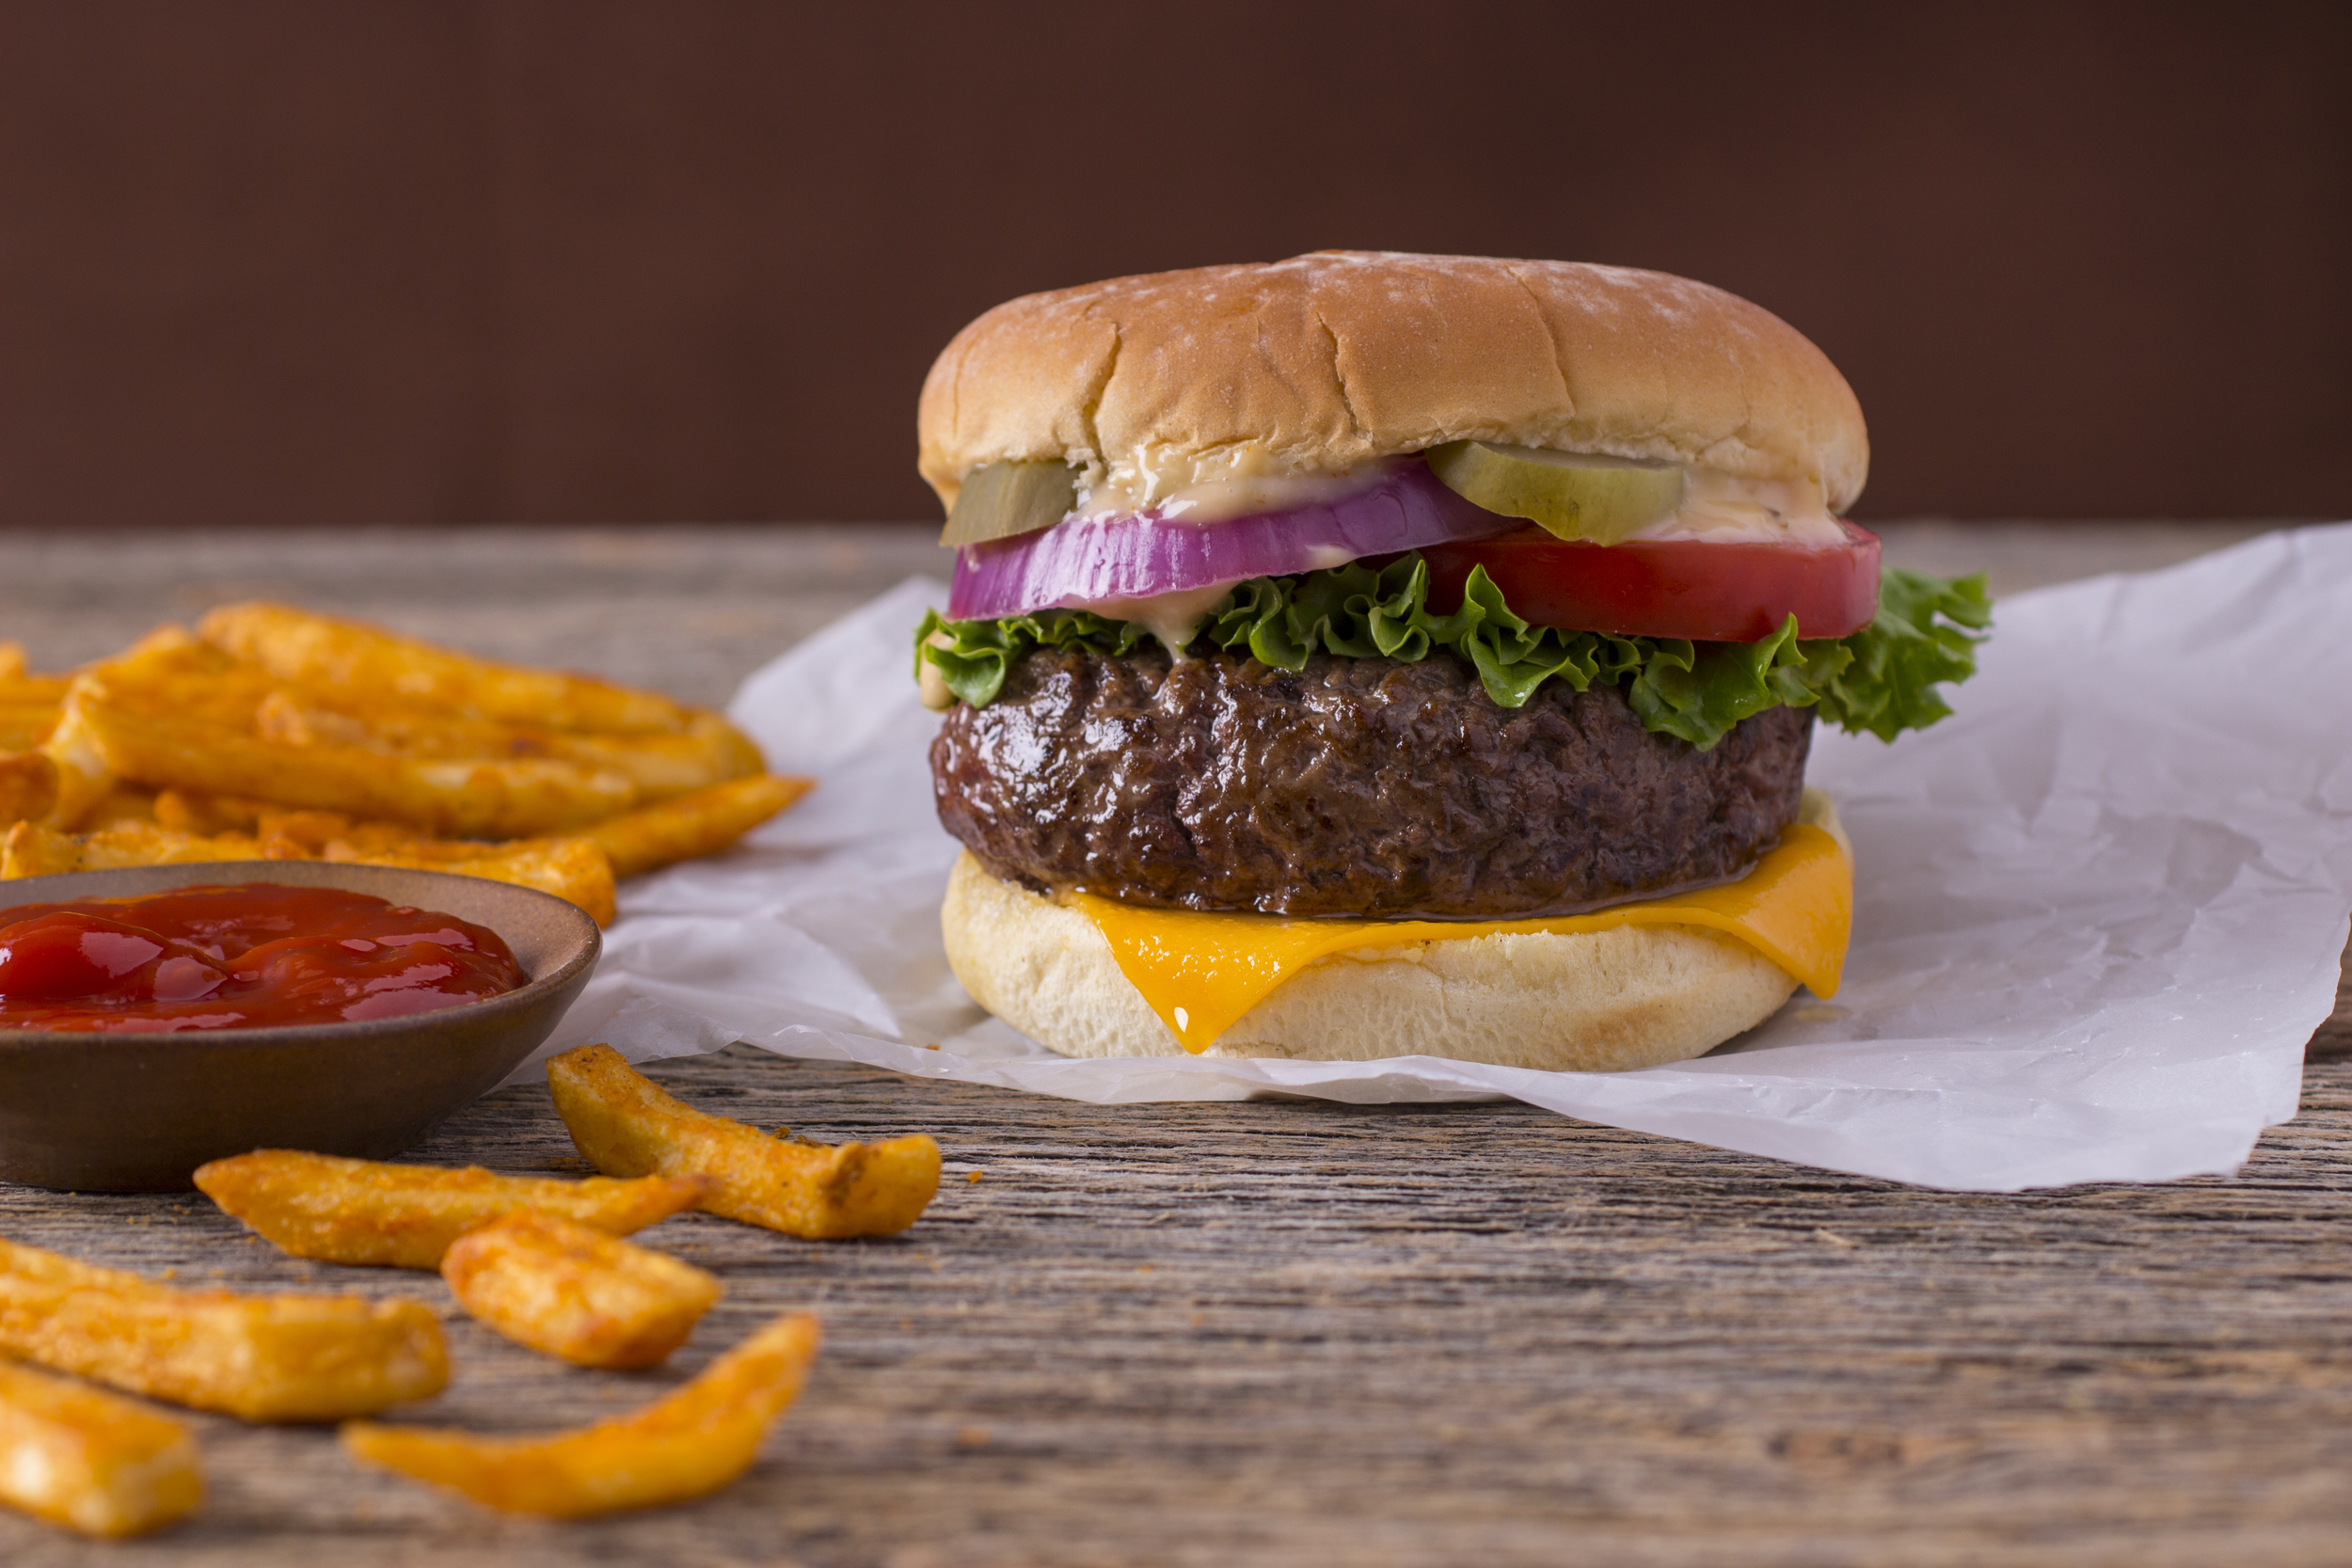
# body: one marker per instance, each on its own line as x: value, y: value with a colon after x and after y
x: 1700, y: 589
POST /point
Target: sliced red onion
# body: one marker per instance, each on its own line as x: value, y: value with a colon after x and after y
x: 1139, y: 557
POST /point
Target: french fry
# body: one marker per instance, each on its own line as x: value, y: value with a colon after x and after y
x: 708, y: 751
x: 126, y: 805
x: 32, y: 850
x: 22, y: 689
x: 570, y: 868
x: 357, y: 662
x: 89, y: 1461
x: 266, y: 1358
x: 686, y: 1446
x: 169, y: 672
x: 192, y: 810
x: 312, y: 833
x: 11, y: 660
x: 344, y: 1211
x: 28, y: 786
x: 574, y: 1293
x: 627, y: 1125
x: 26, y: 725
x: 702, y: 823
x: 468, y: 799
x: 83, y: 775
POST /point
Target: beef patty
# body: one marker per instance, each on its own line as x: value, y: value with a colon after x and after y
x: 1356, y: 787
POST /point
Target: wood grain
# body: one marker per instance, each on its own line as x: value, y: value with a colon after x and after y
x: 1283, y: 1331
x: 1288, y: 1331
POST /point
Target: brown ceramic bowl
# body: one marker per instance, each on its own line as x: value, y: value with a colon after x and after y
x: 139, y: 1113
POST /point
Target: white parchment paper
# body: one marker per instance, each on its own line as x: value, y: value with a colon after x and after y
x: 2100, y: 910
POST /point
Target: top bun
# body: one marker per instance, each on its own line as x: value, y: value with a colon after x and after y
x: 1329, y: 359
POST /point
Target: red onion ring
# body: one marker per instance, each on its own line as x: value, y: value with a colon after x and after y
x: 1137, y: 556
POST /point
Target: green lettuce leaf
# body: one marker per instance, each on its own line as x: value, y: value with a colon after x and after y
x: 1881, y: 680
x: 974, y: 656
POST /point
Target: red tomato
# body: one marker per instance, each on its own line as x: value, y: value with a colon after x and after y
x: 1708, y: 592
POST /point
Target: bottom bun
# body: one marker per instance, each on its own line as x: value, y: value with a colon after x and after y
x: 1591, y: 1002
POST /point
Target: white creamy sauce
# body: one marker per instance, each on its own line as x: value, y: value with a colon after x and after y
x: 1215, y: 487
x: 1728, y: 508
x: 1173, y: 618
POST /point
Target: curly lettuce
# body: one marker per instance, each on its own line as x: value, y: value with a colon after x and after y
x: 1881, y: 680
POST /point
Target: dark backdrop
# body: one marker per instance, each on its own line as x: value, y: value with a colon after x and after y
x: 328, y: 260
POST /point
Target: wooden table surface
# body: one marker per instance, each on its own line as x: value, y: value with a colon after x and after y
x: 1289, y: 1331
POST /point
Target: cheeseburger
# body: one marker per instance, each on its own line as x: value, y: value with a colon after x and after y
x: 1371, y: 655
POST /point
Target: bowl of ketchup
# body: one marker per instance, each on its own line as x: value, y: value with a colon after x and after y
x: 153, y: 1018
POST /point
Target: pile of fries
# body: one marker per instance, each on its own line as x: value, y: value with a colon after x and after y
x: 270, y: 732
x: 539, y: 1260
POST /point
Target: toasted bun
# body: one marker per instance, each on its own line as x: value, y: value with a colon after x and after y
x: 1597, y: 1002
x: 1329, y: 359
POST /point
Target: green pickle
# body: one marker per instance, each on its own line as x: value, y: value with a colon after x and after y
x: 1579, y: 495
x: 1008, y: 498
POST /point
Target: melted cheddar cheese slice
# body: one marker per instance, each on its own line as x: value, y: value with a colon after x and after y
x: 1201, y: 972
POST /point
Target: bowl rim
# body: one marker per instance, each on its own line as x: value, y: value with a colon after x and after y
x: 583, y: 951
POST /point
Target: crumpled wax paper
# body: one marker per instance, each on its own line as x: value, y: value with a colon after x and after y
x: 2099, y: 910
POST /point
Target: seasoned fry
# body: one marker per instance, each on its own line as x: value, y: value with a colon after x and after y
x: 366, y: 664
x: 702, y: 823
x: 709, y: 751
x: 24, y: 691
x: 266, y: 1358
x: 242, y: 744
x: 571, y: 868
x: 83, y: 775
x: 576, y: 1294
x: 126, y: 805
x: 405, y: 1217
x: 628, y: 1127
x: 170, y: 674
x: 89, y: 1461
x: 31, y: 850
x: 29, y: 703
x: 192, y: 810
x: 28, y: 786
x: 686, y: 1446
x: 26, y: 725
x: 489, y: 799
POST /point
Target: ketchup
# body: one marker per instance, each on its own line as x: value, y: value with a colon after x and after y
x: 247, y: 957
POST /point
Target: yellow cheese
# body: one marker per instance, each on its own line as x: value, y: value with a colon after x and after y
x: 1201, y: 972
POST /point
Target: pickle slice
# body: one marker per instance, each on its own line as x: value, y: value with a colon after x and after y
x: 1008, y: 498
x: 1577, y: 495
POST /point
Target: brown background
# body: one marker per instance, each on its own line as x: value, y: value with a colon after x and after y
x: 285, y: 262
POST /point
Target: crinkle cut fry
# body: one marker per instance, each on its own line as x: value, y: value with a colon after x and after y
x: 371, y: 1211
x: 686, y: 1446
x: 627, y: 1125
x: 264, y: 1359
x: 89, y: 1461
x: 574, y: 1293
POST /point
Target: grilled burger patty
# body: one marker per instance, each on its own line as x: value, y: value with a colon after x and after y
x: 1357, y: 787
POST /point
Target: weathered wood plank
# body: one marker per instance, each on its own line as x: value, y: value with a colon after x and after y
x: 1284, y: 1330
